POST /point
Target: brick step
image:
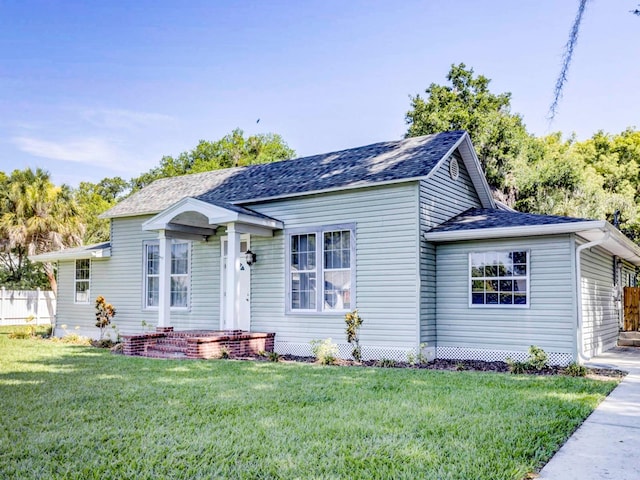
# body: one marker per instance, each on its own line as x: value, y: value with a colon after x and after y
x: 173, y: 342
x: 154, y: 352
x: 167, y: 347
x: 201, y: 344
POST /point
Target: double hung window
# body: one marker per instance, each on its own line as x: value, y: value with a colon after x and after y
x: 321, y: 269
x: 180, y: 274
x: 82, y: 281
x: 499, y: 278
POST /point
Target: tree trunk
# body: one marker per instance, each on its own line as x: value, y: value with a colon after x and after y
x: 51, y: 275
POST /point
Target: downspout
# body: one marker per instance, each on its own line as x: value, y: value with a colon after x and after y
x: 594, y: 243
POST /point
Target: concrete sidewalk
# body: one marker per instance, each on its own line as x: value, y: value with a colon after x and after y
x: 607, y: 444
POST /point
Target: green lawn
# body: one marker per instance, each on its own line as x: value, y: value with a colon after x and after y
x: 79, y: 412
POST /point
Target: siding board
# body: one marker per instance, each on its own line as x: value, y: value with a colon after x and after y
x: 548, y: 322
x: 599, y: 313
x: 441, y: 198
x: 386, y: 277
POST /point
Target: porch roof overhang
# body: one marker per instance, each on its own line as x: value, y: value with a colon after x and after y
x: 616, y: 243
x: 192, y: 218
x: 99, y: 250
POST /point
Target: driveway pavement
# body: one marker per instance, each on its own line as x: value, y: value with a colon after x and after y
x: 607, y: 444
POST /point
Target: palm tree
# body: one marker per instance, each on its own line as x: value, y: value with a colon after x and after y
x: 37, y: 217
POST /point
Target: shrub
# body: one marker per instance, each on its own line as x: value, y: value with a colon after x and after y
x: 104, y: 313
x: 103, y: 343
x: 273, y: 356
x: 517, y: 367
x: 411, y: 358
x: 422, y: 358
x: 325, y: 351
x: 20, y: 333
x: 32, y: 328
x: 537, y: 361
x: 575, y: 370
x: 354, y: 322
x: 76, y: 339
x: 386, y: 363
x: 537, y: 358
x: 419, y: 358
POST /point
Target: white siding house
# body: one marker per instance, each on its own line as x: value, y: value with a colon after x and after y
x: 407, y: 232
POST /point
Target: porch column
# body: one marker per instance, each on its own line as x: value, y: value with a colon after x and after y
x: 233, y: 269
x: 164, y: 278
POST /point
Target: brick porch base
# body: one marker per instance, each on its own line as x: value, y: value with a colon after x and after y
x: 197, y: 344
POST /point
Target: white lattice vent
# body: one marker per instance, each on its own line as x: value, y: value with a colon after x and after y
x: 345, y: 349
x: 459, y: 353
x: 401, y: 355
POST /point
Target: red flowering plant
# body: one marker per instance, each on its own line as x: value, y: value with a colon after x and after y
x: 104, y: 313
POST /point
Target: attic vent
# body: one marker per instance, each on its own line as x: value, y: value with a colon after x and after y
x: 454, y: 168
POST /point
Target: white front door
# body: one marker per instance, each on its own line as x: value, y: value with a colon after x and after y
x: 244, y: 290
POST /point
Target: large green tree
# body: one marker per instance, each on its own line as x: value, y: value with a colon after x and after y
x: 35, y: 217
x: 466, y: 103
x: 233, y: 150
x: 593, y: 178
x: 95, y: 198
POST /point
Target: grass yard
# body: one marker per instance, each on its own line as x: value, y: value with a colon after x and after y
x: 78, y: 412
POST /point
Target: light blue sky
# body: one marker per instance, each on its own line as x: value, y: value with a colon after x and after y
x: 95, y: 89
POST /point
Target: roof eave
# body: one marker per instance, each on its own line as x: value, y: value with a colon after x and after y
x: 106, y: 214
x: 519, y: 231
x: 474, y: 168
x: 617, y: 244
x: 215, y: 214
x: 631, y: 251
x: 74, y: 255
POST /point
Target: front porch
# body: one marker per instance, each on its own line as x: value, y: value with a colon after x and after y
x: 191, y: 220
x: 197, y: 344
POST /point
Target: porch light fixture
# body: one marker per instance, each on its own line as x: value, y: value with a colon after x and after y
x: 250, y: 257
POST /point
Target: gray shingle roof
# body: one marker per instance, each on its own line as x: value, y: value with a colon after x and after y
x: 378, y: 163
x: 479, y: 218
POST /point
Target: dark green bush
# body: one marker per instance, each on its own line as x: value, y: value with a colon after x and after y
x: 575, y: 370
x: 386, y: 363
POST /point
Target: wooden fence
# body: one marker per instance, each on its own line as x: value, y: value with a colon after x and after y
x: 16, y: 306
x: 631, y: 309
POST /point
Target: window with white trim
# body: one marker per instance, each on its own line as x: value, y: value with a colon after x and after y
x: 180, y: 274
x: 82, y: 282
x: 321, y: 269
x: 499, y: 278
x: 303, y: 272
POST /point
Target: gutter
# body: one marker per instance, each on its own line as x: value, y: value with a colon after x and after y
x: 514, y: 231
x: 579, y: 345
